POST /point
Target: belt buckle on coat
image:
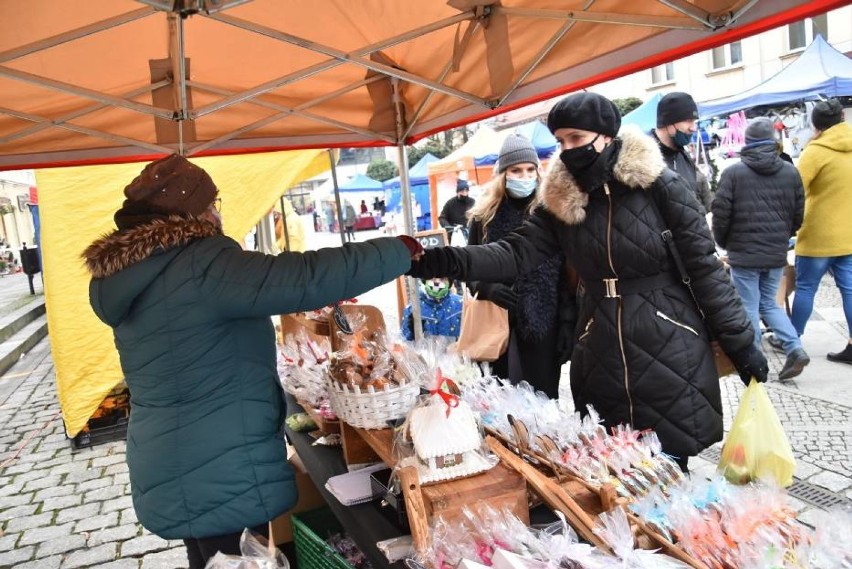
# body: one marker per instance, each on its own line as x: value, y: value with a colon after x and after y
x: 611, y: 288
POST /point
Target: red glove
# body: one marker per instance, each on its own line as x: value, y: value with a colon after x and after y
x: 413, y: 245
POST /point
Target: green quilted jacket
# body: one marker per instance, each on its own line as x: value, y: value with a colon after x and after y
x: 190, y: 311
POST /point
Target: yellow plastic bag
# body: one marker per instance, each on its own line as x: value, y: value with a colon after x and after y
x: 757, y: 447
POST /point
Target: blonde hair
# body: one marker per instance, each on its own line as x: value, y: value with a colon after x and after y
x: 493, y: 194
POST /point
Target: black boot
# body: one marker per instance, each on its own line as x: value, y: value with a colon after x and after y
x: 796, y: 362
x: 844, y: 357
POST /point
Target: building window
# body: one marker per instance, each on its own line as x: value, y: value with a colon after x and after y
x: 803, y: 32
x: 727, y: 55
x: 662, y: 73
x: 353, y: 156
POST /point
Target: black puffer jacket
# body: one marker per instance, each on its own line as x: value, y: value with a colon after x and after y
x: 679, y: 160
x: 642, y: 358
x: 759, y: 205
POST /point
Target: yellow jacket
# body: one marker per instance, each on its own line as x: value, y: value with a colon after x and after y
x: 295, y: 230
x: 826, y: 169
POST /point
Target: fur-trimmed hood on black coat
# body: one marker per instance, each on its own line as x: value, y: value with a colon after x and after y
x: 642, y: 358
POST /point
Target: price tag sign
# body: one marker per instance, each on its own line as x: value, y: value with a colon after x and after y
x: 432, y: 238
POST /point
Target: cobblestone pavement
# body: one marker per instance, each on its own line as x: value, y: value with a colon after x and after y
x: 63, y: 509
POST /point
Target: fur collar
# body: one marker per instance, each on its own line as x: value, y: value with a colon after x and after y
x: 639, y: 164
x: 120, y: 249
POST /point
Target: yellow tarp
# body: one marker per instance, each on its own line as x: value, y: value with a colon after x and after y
x: 76, y: 207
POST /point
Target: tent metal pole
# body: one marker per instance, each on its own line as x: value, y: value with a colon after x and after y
x: 284, y: 224
x: 178, y: 54
x: 411, y: 288
x: 337, y: 196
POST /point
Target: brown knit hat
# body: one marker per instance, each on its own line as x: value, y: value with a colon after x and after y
x: 173, y: 185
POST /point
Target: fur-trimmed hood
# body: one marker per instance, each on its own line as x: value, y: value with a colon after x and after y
x: 120, y: 249
x: 639, y: 163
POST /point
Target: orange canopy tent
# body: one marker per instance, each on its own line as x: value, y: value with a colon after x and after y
x: 94, y: 81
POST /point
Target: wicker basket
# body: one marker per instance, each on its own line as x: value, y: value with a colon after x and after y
x: 371, y: 409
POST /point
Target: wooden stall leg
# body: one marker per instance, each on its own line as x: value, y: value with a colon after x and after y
x: 415, y: 507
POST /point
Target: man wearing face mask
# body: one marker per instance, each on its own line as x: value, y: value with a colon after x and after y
x: 642, y: 354
x: 538, y: 300
x: 677, y: 122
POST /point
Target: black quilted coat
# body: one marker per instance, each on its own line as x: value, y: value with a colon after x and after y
x: 643, y: 357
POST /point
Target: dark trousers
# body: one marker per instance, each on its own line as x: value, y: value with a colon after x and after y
x: 201, y: 549
x: 534, y: 361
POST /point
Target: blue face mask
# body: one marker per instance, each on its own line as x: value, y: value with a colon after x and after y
x: 521, y: 188
x: 681, y: 139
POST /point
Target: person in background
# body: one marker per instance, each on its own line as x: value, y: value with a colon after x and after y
x: 349, y: 216
x: 455, y: 210
x: 329, y: 218
x: 364, y: 209
x: 642, y: 355
x: 539, y: 301
x: 677, y: 122
x: 759, y: 205
x: 295, y: 230
x: 824, y: 243
x: 440, y: 311
x: 190, y: 313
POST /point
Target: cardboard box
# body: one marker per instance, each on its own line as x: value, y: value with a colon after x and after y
x: 309, y: 499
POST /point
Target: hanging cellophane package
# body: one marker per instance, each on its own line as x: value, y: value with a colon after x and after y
x: 757, y: 447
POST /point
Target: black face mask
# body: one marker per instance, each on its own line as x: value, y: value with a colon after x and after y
x: 589, y: 167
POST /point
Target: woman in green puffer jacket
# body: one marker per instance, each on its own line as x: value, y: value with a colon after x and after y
x: 190, y: 311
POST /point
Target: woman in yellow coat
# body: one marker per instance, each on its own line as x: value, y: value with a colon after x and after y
x: 824, y: 241
x: 295, y: 229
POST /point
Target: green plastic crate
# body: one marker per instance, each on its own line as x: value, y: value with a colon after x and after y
x: 310, y: 530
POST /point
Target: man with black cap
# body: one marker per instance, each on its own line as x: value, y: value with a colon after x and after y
x: 642, y: 354
x: 190, y: 313
x: 758, y: 207
x: 825, y: 240
x: 677, y: 122
x: 454, y: 212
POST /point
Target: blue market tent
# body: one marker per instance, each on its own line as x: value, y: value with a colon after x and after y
x: 418, y: 178
x: 534, y: 131
x: 543, y: 141
x: 361, y: 183
x: 820, y: 71
x: 645, y: 115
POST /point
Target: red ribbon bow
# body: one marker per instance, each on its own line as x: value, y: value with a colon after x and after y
x: 450, y: 400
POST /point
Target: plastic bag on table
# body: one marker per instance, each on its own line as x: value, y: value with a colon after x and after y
x: 257, y: 553
x: 757, y: 447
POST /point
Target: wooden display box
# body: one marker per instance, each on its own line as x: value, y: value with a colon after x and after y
x: 501, y: 486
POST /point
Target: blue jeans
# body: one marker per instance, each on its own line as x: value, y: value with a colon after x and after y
x: 809, y: 273
x: 758, y: 289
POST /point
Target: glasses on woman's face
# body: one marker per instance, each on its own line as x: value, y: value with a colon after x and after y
x: 217, y: 204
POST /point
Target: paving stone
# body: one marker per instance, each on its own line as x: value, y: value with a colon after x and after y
x: 831, y: 480
x: 36, y: 459
x: 117, y: 504
x: 78, y: 513
x: 89, y: 557
x: 73, y: 465
x: 95, y: 484
x: 9, y: 488
x: 55, y: 492
x: 97, y: 522
x: 44, y: 563
x: 17, y: 500
x: 120, y: 468
x: 104, y: 494
x: 128, y: 516
x: 15, y: 556
x: 8, y: 541
x: 27, y: 475
x: 120, y: 533
x: 82, y: 475
x: 17, y: 511
x: 171, y: 559
x: 120, y: 564
x: 61, y: 545
x: 141, y: 545
x: 38, y: 535
x: 109, y: 460
x: 62, y: 502
x: 121, y: 477
x: 44, y: 482
x: 29, y: 522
